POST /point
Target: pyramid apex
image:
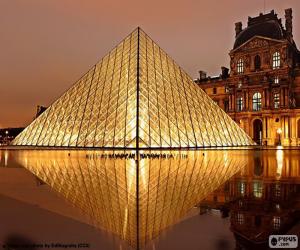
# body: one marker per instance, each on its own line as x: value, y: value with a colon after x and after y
x: 138, y: 28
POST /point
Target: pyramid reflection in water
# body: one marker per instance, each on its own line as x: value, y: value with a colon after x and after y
x: 106, y: 189
x: 135, y: 97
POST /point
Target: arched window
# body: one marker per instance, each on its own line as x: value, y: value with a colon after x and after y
x: 256, y: 100
x: 276, y: 100
x: 276, y: 60
x: 257, y: 62
x: 239, y: 104
x: 240, y: 66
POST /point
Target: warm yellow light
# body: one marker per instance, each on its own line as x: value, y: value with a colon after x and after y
x: 279, y: 131
x: 156, y: 105
x: 107, y: 189
x: 279, y: 159
x: 5, y: 158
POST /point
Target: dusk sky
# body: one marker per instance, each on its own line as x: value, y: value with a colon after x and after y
x: 46, y: 45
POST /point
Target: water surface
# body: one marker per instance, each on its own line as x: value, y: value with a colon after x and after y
x: 139, y: 197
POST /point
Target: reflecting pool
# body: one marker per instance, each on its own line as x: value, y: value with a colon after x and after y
x: 138, y: 196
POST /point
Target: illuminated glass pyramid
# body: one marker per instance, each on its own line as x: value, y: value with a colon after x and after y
x: 135, y: 97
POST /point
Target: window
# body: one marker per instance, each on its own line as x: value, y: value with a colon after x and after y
x: 214, y: 91
x: 256, y: 99
x: 276, y: 100
x: 257, y: 62
x: 277, y: 190
x: 240, y: 66
x: 240, y: 84
x: 276, y: 80
x: 276, y: 222
x: 257, y: 189
x: 276, y: 60
x: 242, y: 188
x: 240, y: 218
x: 239, y: 104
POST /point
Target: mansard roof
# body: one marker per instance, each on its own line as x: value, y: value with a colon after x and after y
x: 267, y: 25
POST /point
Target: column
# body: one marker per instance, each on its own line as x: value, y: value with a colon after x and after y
x: 293, y: 130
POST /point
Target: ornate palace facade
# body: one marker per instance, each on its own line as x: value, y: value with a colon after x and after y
x: 262, y: 90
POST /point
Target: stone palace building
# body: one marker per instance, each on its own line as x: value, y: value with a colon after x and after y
x: 261, y: 92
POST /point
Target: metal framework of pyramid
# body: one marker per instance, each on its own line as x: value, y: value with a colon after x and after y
x: 135, y: 97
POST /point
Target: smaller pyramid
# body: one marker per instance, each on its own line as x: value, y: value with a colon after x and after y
x: 135, y: 97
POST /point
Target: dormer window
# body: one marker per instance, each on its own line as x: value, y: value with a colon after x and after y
x: 257, y: 62
x: 240, y: 66
x: 276, y: 60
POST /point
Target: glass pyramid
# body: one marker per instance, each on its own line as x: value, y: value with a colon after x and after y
x: 135, y: 97
x: 135, y: 198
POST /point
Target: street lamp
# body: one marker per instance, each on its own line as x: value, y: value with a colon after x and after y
x: 6, y: 137
x: 279, y: 131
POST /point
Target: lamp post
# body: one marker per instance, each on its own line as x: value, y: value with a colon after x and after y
x: 6, y: 137
x: 279, y: 131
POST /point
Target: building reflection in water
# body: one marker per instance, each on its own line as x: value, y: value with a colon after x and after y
x: 135, y: 197
x: 261, y: 200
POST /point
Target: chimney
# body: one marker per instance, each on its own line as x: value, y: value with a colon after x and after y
x: 289, y: 23
x: 202, y: 75
x: 238, y: 28
x: 225, y: 72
